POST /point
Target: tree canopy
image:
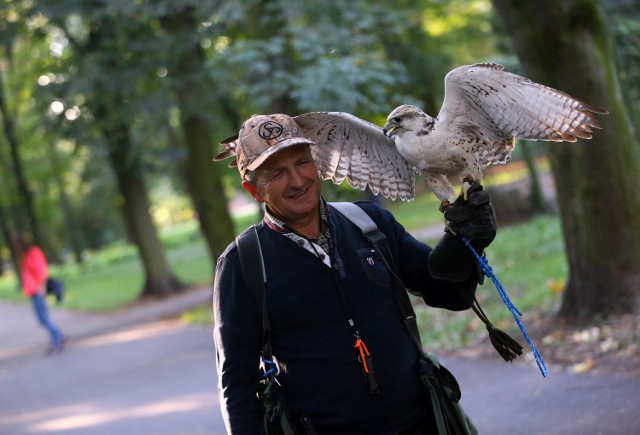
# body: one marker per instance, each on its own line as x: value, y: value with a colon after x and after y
x: 105, y: 104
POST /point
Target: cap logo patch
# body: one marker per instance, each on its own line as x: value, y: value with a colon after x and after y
x: 270, y: 130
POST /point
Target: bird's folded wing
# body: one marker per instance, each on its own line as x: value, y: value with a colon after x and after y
x: 352, y: 148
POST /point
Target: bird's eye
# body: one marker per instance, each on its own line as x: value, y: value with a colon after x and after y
x: 397, y: 119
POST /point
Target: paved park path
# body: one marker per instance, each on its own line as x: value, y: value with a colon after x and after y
x: 142, y: 371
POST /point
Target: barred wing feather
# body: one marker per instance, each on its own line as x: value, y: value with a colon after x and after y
x: 507, y: 106
x: 352, y: 148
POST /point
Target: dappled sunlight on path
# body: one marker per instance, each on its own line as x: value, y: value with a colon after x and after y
x: 148, y: 331
x: 84, y: 416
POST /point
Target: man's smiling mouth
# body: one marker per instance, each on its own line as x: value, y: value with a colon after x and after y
x: 300, y: 192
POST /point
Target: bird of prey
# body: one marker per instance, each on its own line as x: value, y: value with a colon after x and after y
x: 485, y: 108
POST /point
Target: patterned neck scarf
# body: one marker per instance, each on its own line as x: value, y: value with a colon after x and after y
x: 321, y: 247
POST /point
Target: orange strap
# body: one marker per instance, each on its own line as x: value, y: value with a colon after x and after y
x: 362, y: 348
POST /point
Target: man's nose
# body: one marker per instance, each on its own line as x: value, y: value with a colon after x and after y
x: 297, y: 177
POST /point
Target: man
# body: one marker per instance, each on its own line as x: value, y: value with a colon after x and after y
x: 326, y: 289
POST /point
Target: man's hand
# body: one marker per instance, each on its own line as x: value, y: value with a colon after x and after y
x: 472, y: 218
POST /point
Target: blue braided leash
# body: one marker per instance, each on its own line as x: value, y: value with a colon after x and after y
x: 486, y: 269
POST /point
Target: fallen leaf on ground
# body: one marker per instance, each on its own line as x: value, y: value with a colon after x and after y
x: 584, y: 367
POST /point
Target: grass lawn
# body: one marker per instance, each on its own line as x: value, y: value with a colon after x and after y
x: 112, y: 277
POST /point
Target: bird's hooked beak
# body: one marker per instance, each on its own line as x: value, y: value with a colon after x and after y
x: 388, y: 130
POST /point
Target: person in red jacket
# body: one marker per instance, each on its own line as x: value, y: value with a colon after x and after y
x: 34, y: 272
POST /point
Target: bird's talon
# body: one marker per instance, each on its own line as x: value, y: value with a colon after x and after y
x: 465, y: 189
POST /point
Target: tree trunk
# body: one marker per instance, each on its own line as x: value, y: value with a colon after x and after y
x: 540, y: 204
x: 159, y: 281
x: 26, y: 197
x: 263, y: 21
x: 6, y: 235
x: 71, y: 229
x: 566, y: 44
x: 190, y: 83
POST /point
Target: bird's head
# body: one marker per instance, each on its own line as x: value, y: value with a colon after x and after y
x: 405, y: 118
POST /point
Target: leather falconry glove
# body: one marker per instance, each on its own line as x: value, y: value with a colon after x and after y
x: 472, y: 218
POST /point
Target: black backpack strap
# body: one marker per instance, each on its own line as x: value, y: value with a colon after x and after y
x: 506, y: 346
x: 441, y: 384
x: 276, y: 417
x: 378, y: 240
x: 255, y: 278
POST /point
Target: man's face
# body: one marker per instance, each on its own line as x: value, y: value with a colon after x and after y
x: 288, y: 184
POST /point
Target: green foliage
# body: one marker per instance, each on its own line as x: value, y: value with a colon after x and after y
x: 200, y: 315
x: 626, y: 31
x: 111, y: 277
x: 319, y: 56
x: 61, y: 57
x: 284, y: 55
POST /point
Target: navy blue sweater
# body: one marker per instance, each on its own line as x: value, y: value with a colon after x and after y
x: 311, y: 336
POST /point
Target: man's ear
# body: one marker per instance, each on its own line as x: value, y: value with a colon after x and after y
x: 253, y: 191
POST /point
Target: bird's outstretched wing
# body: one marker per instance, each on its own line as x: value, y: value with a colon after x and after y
x: 352, y: 148
x: 503, y: 105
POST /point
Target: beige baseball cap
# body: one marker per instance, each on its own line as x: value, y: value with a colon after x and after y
x: 261, y: 136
